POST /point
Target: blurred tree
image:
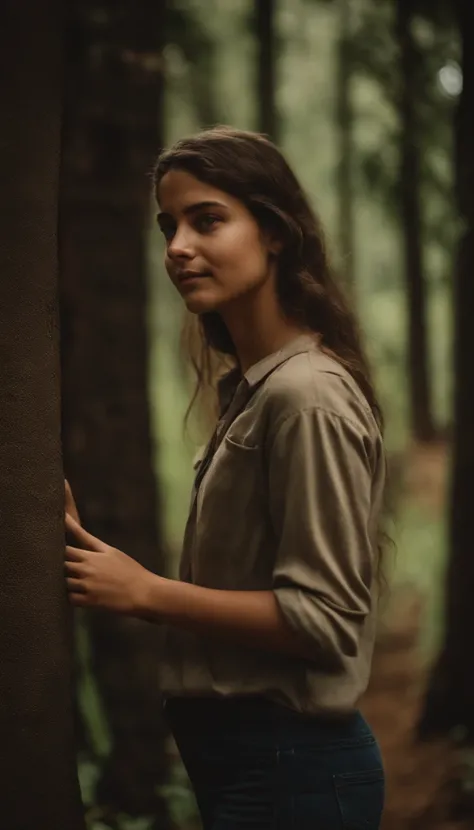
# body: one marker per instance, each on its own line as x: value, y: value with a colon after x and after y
x: 38, y: 776
x: 403, y: 47
x: 111, y: 137
x: 185, y: 30
x: 376, y: 55
x: 411, y: 219
x: 450, y: 697
x: 266, y: 67
x: 344, y: 131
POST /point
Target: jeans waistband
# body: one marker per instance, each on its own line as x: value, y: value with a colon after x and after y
x: 258, y: 713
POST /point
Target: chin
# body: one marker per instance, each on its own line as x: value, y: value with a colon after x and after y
x: 200, y: 302
x: 200, y: 305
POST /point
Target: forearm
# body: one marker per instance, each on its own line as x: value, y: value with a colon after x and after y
x: 251, y: 618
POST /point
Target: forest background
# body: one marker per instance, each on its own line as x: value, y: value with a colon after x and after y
x: 371, y: 103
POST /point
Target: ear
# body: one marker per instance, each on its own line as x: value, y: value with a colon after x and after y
x: 274, y: 245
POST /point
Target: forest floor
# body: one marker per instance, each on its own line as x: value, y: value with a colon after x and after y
x: 425, y: 474
x: 422, y: 778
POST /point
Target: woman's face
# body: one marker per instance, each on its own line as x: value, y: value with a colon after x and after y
x: 215, y: 250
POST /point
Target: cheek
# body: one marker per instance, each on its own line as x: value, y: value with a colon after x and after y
x: 242, y: 245
x: 168, y: 262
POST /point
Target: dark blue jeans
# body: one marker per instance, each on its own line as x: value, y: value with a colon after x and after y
x: 254, y: 764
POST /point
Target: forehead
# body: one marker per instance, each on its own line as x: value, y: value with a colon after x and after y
x: 179, y: 190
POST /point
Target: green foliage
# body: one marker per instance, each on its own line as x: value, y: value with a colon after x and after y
x: 181, y: 801
x: 192, y: 47
x: 421, y: 545
x: 375, y: 57
x: 90, y: 702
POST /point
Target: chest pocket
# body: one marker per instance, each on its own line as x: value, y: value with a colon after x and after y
x: 233, y: 474
x: 230, y: 515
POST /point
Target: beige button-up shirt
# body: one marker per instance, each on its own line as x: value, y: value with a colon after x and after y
x: 287, y: 498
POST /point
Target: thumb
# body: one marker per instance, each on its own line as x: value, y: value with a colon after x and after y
x: 85, y: 539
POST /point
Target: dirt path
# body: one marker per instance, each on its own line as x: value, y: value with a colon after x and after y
x: 420, y: 777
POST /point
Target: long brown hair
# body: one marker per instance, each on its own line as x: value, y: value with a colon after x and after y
x: 249, y: 167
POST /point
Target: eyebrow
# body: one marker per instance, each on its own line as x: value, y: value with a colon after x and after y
x: 193, y: 208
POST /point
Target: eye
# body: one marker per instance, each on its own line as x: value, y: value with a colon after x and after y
x: 168, y: 231
x: 206, y: 222
x: 167, y: 228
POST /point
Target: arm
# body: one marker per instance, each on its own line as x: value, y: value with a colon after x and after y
x: 321, y: 494
x: 101, y: 576
x: 319, y: 498
x: 251, y: 618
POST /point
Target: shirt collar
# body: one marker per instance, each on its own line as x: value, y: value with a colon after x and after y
x: 257, y: 373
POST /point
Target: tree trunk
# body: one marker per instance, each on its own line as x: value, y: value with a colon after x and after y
x: 199, y: 49
x: 450, y: 696
x: 423, y: 427
x: 344, y: 129
x: 202, y: 82
x: 112, y: 136
x: 38, y: 778
x: 266, y: 83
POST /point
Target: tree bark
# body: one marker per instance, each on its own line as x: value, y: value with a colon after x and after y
x: 38, y: 778
x: 422, y: 423
x: 344, y: 129
x: 112, y: 136
x: 266, y: 81
x: 450, y: 697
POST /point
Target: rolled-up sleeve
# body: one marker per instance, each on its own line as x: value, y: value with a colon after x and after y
x: 320, y: 482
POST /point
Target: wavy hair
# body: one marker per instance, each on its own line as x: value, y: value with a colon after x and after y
x: 249, y: 167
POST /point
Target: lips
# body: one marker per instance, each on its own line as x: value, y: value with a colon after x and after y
x: 190, y: 276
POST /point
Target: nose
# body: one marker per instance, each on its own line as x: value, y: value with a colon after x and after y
x: 180, y: 246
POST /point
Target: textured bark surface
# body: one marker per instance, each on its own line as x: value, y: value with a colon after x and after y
x: 38, y: 781
x: 111, y: 138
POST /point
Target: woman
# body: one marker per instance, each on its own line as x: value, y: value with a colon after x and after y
x: 271, y: 624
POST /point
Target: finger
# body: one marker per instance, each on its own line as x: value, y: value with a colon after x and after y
x: 75, y: 586
x: 75, y: 568
x: 73, y: 554
x: 85, y: 539
x: 69, y: 502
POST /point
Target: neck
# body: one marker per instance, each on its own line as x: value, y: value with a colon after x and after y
x: 258, y: 326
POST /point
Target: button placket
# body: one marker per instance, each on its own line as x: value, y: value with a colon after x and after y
x: 241, y: 397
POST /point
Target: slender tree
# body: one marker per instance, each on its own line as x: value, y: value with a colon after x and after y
x: 344, y: 130
x: 38, y: 780
x: 450, y: 696
x: 412, y: 226
x: 416, y: 191
x: 186, y: 30
x: 112, y: 135
x: 266, y: 72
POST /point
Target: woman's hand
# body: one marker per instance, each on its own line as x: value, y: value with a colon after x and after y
x: 70, y: 504
x: 100, y: 576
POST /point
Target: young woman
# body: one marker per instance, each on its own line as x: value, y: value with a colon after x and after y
x: 270, y: 628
